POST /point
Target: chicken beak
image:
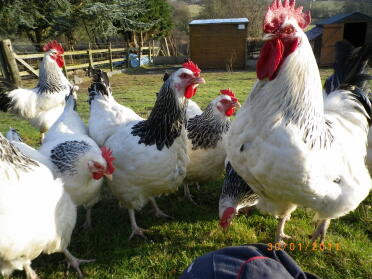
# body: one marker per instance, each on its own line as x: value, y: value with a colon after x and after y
x: 237, y: 104
x: 109, y: 176
x: 268, y: 37
x: 198, y: 80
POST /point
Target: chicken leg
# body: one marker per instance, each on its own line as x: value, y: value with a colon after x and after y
x: 158, y: 212
x: 280, y: 230
x: 30, y: 273
x: 187, y: 193
x: 321, y: 231
x: 135, y: 229
x: 88, y: 218
x: 75, y: 262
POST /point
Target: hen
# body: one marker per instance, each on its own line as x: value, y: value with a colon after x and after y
x: 36, y: 214
x: 150, y: 154
x: 107, y: 112
x: 77, y: 159
x: 236, y: 195
x: 42, y: 105
x: 193, y: 108
x: 288, y: 143
x: 206, y: 135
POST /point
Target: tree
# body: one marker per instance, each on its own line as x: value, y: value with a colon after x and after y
x: 32, y: 18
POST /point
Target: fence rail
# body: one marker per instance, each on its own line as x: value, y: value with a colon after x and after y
x: 9, y: 60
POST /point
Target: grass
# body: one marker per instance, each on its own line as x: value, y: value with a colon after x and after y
x: 172, y: 245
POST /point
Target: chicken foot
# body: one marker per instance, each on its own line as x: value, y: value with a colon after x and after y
x: 135, y: 229
x: 187, y: 193
x: 321, y: 231
x: 158, y: 212
x: 280, y: 230
x: 30, y: 273
x: 75, y: 262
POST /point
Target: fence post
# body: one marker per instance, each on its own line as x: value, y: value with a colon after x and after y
x: 89, y: 51
x: 65, y: 70
x: 139, y: 56
x: 150, y: 54
x: 110, y: 57
x: 7, y: 50
x: 128, y: 51
x: 3, y: 68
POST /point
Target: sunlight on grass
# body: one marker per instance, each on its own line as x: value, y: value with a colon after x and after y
x: 173, y: 245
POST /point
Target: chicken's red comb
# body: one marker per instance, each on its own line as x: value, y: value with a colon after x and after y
x: 192, y: 67
x: 277, y: 13
x: 229, y: 92
x: 107, y: 155
x: 54, y: 45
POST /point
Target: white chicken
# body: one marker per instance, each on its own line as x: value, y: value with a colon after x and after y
x: 291, y: 146
x: 42, y: 105
x: 114, y: 113
x: 206, y: 142
x: 36, y: 214
x: 77, y: 159
x: 151, y: 155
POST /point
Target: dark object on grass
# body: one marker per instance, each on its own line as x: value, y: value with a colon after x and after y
x: 246, y: 262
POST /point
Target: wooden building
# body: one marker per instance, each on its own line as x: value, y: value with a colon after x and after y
x: 354, y: 27
x: 219, y: 43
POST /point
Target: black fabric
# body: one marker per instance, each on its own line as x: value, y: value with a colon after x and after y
x: 239, y: 263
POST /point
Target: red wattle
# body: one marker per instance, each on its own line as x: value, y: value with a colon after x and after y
x: 190, y: 91
x: 60, y: 61
x: 230, y: 111
x: 270, y: 58
x: 97, y: 175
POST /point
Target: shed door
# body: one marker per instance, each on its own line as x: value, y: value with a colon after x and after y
x: 355, y: 33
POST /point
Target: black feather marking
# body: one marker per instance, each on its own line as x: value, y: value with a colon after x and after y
x: 350, y: 67
x: 5, y: 101
x: 166, y: 76
x: 343, y: 53
x: 9, y: 153
x: 355, y: 78
x: 206, y: 130
x: 65, y: 155
x: 100, y: 84
x: 359, y: 95
x: 165, y: 122
x: 237, y: 189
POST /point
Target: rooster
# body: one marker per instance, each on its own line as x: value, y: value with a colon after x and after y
x: 77, y: 159
x: 206, y: 135
x: 36, y: 214
x: 42, y: 105
x: 236, y: 195
x: 288, y: 143
x: 151, y: 155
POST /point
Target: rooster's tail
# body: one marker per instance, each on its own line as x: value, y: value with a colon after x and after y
x: 100, y: 85
x: 6, y: 103
x: 356, y: 77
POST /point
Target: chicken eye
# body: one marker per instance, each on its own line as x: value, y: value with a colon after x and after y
x: 184, y: 75
x: 288, y: 29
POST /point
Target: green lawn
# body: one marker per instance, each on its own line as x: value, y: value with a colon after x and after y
x: 172, y: 245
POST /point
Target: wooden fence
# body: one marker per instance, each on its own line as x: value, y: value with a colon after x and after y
x: 10, y: 61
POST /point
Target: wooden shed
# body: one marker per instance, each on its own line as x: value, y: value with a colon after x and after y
x: 219, y: 43
x: 354, y: 27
